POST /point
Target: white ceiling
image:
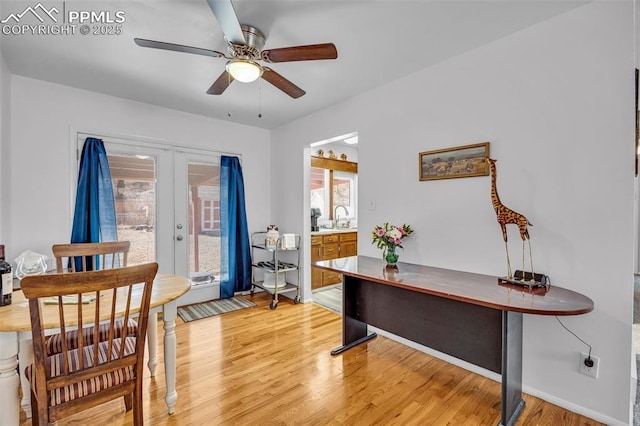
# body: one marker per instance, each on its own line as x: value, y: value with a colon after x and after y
x: 377, y: 41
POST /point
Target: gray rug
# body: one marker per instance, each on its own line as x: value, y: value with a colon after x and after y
x: 330, y: 298
x: 215, y: 307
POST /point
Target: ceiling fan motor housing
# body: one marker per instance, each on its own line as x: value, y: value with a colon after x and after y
x: 254, y: 43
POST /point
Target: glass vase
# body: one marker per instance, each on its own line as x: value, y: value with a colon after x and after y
x: 390, y: 255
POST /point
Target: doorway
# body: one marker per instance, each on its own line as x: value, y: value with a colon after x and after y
x: 333, y: 207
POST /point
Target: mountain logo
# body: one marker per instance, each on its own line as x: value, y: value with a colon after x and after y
x: 38, y: 11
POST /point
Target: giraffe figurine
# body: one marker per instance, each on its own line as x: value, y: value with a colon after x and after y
x: 506, y: 216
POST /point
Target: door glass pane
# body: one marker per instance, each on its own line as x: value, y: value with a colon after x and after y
x: 134, y: 189
x: 204, y: 217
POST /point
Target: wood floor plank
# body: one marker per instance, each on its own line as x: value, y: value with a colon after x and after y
x: 261, y: 366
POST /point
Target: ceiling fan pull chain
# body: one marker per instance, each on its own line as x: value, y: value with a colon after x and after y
x: 229, y: 97
x: 259, y: 99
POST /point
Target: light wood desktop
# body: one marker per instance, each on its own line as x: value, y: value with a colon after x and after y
x: 16, y: 349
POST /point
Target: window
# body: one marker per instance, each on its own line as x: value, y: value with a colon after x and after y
x: 334, y: 186
x: 211, y: 215
x: 319, y: 198
x: 344, y: 200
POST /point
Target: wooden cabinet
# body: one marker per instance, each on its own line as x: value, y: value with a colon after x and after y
x: 316, y: 254
x: 327, y: 247
x: 330, y: 251
x: 348, y: 244
x: 330, y: 278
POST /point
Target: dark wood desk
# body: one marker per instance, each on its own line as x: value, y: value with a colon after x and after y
x: 465, y: 315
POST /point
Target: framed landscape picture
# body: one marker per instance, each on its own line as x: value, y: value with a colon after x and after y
x: 457, y: 162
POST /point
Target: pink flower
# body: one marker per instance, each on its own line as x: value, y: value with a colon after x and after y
x: 387, y: 235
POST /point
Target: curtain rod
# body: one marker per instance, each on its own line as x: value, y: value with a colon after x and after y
x: 113, y: 138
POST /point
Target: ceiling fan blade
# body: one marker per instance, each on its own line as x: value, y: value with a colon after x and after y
x: 282, y: 83
x: 228, y: 20
x: 220, y: 85
x: 309, y: 52
x: 177, y: 48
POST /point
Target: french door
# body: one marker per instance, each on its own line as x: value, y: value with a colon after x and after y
x: 167, y: 205
x: 197, y: 213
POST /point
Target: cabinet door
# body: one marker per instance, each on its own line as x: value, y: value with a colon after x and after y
x: 348, y: 248
x: 316, y: 253
x: 316, y: 278
x: 329, y: 251
x: 329, y: 277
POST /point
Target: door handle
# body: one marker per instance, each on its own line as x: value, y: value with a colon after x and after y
x: 179, y: 238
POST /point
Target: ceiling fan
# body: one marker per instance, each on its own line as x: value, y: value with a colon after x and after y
x: 245, y: 44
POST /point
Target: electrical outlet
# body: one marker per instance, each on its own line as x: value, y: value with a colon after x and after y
x: 589, y: 371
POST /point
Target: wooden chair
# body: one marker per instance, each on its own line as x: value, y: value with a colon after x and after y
x: 106, y: 255
x: 94, y: 372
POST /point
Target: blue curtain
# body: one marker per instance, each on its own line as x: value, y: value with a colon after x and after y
x: 94, y: 219
x: 234, y: 241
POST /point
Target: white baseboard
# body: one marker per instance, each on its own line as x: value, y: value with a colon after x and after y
x: 634, y: 377
x: 579, y: 409
x: 496, y: 377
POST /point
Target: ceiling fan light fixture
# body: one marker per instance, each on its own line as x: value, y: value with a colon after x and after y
x: 244, y: 70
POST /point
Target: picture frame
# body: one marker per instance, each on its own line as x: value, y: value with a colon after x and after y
x: 455, y: 162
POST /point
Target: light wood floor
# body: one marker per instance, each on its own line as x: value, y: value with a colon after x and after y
x: 257, y: 366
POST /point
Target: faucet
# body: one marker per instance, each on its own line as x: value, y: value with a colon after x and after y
x: 335, y: 214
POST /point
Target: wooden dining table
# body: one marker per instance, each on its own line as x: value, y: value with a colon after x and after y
x: 16, y: 348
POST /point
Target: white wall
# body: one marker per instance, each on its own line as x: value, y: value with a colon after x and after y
x: 636, y: 57
x: 43, y: 115
x: 556, y: 103
x: 5, y: 165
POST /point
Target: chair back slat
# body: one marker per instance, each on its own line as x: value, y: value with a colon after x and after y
x: 91, y: 256
x: 117, y: 293
x: 63, y: 330
x: 80, y: 321
x: 96, y: 326
x: 127, y: 314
